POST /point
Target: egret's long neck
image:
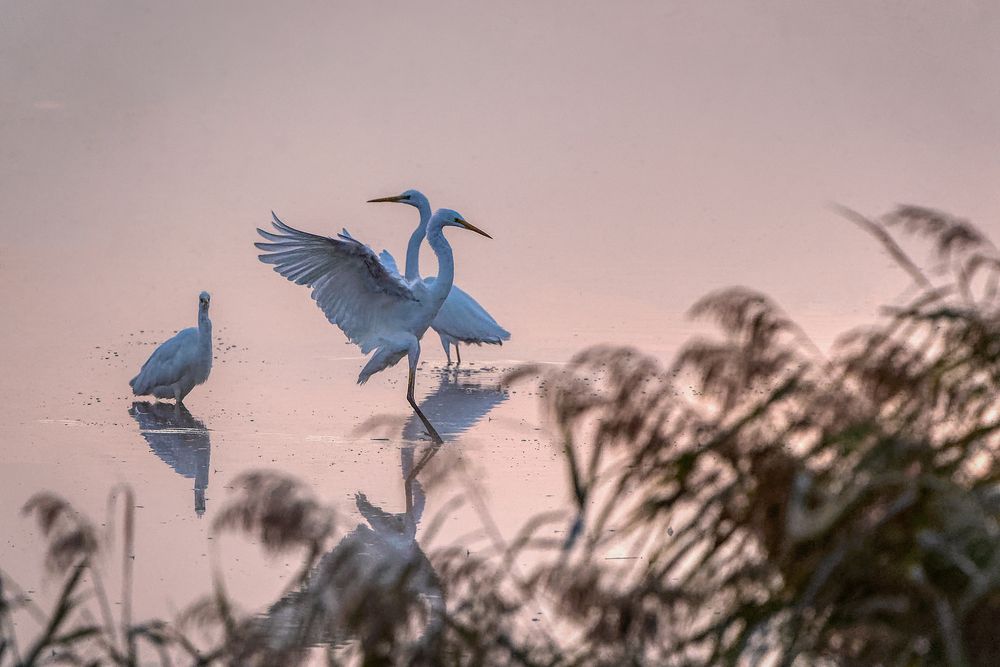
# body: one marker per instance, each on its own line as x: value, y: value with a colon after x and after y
x: 416, y: 238
x: 204, y: 325
x: 446, y: 261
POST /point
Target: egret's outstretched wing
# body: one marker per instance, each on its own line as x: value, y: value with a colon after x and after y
x: 463, y: 319
x: 388, y: 261
x: 348, y: 281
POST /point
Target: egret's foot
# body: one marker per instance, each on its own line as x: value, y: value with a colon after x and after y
x: 431, y: 431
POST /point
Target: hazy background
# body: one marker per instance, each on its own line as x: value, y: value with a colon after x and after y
x: 627, y: 156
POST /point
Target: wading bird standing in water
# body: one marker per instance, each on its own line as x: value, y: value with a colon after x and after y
x: 180, y: 364
x: 375, y: 309
x: 461, y: 318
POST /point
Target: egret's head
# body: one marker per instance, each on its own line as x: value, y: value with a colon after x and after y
x: 203, y: 300
x: 445, y: 217
x: 414, y: 198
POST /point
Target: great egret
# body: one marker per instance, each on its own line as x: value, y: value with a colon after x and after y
x: 461, y: 319
x: 375, y: 309
x: 180, y: 364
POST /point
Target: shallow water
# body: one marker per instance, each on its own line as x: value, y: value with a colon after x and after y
x: 71, y: 426
x: 180, y: 461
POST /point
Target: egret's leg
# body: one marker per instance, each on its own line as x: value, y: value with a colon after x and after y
x: 447, y: 348
x: 458, y: 353
x: 178, y: 395
x: 413, y: 404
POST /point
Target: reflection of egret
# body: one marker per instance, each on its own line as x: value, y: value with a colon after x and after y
x: 180, y: 440
x: 461, y: 399
x: 377, y: 311
x: 181, y: 363
x: 461, y: 319
x: 378, y: 572
x: 405, y: 523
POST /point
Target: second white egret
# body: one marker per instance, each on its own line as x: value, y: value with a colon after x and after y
x: 461, y: 319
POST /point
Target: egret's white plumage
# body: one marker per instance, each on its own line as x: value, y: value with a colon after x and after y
x: 460, y: 319
x: 181, y: 363
x: 378, y: 310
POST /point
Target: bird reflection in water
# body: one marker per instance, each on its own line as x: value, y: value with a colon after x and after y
x: 180, y: 440
x: 378, y: 574
x: 462, y: 398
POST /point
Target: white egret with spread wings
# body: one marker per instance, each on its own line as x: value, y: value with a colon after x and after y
x: 461, y: 319
x: 378, y: 311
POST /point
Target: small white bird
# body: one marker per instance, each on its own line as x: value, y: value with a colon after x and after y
x: 461, y: 319
x: 377, y: 310
x: 180, y: 364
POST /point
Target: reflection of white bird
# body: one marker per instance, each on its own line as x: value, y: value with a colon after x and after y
x: 461, y: 319
x: 378, y: 566
x: 459, y: 401
x: 376, y: 310
x: 180, y: 364
x: 180, y: 440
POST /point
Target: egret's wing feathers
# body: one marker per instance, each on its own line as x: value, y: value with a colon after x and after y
x: 349, y: 283
x: 389, y: 262
x: 168, y: 363
x: 463, y: 319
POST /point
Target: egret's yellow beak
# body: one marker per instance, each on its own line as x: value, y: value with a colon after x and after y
x: 473, y: 228
x: 395, y: 198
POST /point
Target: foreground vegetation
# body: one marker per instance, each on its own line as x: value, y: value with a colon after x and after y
x: 788, y: 506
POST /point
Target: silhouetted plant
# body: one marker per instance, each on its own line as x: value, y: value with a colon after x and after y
x: 793, y: 506
x: 69, y: 634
